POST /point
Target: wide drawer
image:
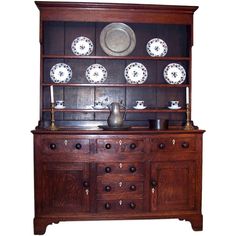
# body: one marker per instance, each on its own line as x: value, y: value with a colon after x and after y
x: 117, y: 206
x: 183, y: 144
x: 110, y: 187
x: 125, y: 168
x: 120, y: 145
x: 62, y: 145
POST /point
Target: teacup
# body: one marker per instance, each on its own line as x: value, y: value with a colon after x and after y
x: 59, y: 104
x: 139, y: 103
x: 98, y: 104
x: 174, y: 104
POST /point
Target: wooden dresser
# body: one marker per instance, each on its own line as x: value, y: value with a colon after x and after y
x: 85, y: 173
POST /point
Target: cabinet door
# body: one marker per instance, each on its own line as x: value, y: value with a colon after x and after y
x: 65, y: 187
x: 172, y: 185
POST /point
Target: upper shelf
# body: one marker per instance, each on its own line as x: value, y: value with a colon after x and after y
x: 117, y: 57
x: 118, y: 85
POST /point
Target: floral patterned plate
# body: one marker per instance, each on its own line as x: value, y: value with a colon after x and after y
x: 157, y: 47
x: 61, y: 73
x: 96, y: 74
x: 174, y: 73
x: 82, y: 46
x: 136, y: 73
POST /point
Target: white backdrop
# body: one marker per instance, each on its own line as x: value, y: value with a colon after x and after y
x: 213, y: 109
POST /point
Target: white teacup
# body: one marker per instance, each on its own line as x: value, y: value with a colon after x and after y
x: 139, y: 103
x: 59, y: 104
x: 174, y: 104
x: 98, y: 104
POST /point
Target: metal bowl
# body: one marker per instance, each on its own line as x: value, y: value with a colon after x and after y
x: 117, y: 39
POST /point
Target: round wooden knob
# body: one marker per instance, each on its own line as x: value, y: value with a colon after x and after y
x: 107, y: 188
x: 132, y: 205
x: 132, y: 169
x: 108, y: 146
x: 162, y: 145
x: 133, y: 146
x: 153, y: 183
x: 132, y: 187
x: 107, y: 206
x: 185, y: 145
x: 86, y: 184
x: 53, y: 146
x: 78, y: 146
x: 108, y: 169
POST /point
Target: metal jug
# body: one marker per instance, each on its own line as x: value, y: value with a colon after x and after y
x: 115, y: 118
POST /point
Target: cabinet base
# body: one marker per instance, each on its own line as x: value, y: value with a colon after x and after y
x: 196, y: 221
x: 40, y: 224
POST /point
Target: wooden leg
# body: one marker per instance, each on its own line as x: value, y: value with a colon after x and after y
x: 196, y: 222
x: 40, y: 225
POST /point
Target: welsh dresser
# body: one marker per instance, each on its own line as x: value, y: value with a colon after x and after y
x: 83, y: 172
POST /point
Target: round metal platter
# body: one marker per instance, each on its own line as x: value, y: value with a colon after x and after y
x: 117, y: 39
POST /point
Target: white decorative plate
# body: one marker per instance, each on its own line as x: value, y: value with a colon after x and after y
x: 157, y: 47
x: 96, y: 74
x: 174, y: 73
x: 61, y: 73
x: 136, y: 73
x: 82, y: 46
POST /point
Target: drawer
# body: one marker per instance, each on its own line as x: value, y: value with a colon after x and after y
x: 119, y: 187
x: 60, y: 145
x: 126, y: 168
x: 183, y: 144
x: 120, y: 145
x: 120, y: 205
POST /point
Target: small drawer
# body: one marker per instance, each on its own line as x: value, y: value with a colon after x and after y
x: 127, y: 168
x: 120, y: 205
x: 60, y: 145
x: 120, y: 145
x: 183, y: 144
x: 111, y: 187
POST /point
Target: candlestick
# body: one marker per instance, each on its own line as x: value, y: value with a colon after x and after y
x: 187, y: 95
x: 189, y: 123
x: 52, y: 94
x: 52, y: 125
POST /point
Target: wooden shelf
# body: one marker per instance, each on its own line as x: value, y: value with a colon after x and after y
x: 117, y: 57
x: 119, y: 85
x: 149, y: 110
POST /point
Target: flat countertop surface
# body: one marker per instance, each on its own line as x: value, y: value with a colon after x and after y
x: 96, y: 130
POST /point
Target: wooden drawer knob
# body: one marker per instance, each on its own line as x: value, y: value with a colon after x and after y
x: 86, y: 184
x: 107, y: 188
x: 53, y: 146
x: 107, y: 206
x: 78, y: 146
x: 132, y: 205
x: 162, y: 145
x: 133, y: 146
x: 108, y: 146
x: 132, y: 187
x: 132, y: 169
x: 185, y: 145
x: 108, y: 169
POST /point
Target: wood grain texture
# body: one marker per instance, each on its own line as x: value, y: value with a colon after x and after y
x: 82, y: 172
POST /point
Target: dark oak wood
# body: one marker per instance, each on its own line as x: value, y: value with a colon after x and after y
x: 82, y: 172
x: 120, y: 179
